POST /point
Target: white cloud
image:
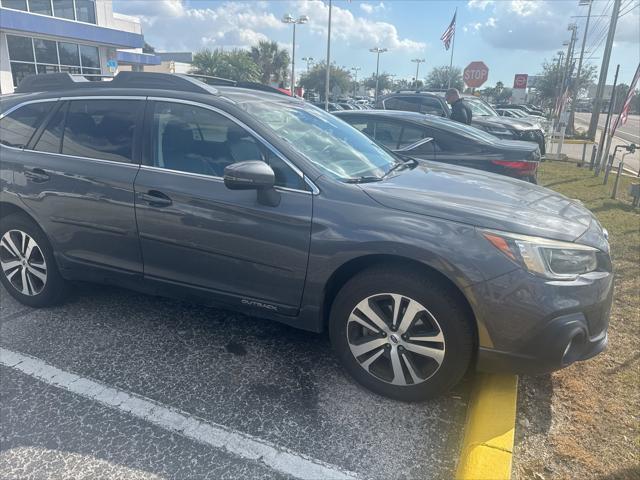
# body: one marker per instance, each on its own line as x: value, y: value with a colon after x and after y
x: 371, y: 8
x: 353, y: 31
x: 479, y: 4
x: 172, y: 25
x: 534, y: 25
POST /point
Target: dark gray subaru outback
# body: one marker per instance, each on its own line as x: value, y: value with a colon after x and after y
x: 263, y: 203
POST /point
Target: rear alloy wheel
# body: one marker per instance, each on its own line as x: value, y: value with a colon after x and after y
x: 402, y: 334
x: 27, y: 268
x: 395, y: 339
x: 23, y: 263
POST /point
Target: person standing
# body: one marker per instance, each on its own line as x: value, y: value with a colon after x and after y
x: 460, y: 111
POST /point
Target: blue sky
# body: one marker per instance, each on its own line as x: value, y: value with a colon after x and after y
x: 510, y: 36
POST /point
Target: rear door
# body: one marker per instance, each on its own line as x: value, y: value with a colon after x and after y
x: 196, y: 233
x: 76, y: 177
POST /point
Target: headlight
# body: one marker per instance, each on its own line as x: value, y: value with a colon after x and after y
x: 498, y: 131
x: 548, y: 258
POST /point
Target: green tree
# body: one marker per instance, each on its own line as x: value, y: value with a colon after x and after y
x: 549, y: 83
x: 621, y: 96
x: 438, y: 78
x: 235, y: 65
x: 272, y: 61
x: 384, y: 83
x: 315, y: 80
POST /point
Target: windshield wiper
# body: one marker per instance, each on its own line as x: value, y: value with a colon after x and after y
x: 364, y: 179
x: 397, y: 166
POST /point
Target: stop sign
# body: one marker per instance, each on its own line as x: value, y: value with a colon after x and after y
x: 476, y: 74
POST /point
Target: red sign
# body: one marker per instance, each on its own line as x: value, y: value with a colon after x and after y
x: 475, y: 74
x: 520, y: 81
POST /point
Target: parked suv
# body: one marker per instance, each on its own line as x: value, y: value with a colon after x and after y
x: 261, y: 202
x: 484, y: 117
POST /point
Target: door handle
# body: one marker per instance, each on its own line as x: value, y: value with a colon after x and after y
x: 37, y: 175
x: 156, y: 198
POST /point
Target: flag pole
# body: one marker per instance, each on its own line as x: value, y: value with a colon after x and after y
x: 453, y: 45
x: 327, y: 74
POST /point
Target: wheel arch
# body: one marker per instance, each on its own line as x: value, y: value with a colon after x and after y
x: 356, y: 265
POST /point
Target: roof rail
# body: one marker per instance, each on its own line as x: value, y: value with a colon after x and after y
x: 146, y: 80
x: 211, y: 80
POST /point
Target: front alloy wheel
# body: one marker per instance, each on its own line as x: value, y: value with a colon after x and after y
x: 396, y: 339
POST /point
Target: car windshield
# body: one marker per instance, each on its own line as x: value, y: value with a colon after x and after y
x: 479, y: 108
x: 328, y: 142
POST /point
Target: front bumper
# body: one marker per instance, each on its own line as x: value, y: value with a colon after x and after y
x: 531, y: 325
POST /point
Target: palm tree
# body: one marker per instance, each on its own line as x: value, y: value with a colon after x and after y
x: 272, y: 60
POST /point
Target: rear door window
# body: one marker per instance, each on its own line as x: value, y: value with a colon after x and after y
x: 102, y: 129
x: 17, y: 128
x: 388, y: 134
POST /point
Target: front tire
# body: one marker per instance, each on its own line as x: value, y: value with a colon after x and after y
x: 27, y: 268
x: 401, y: 334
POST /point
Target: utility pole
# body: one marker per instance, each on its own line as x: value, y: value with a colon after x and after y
x: 328, y: 65
x: 355, y: 83
x: 566, y: 80
x: 605, y: 143
x: 418, y: 61
x: 377, y: 51
x: 604, y: 69
x: 309, y: 61
x: 574, y: 95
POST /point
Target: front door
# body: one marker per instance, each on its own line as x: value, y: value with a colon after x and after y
x: 195, y: 232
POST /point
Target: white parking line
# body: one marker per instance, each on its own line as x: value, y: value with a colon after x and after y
x: 245, y: 446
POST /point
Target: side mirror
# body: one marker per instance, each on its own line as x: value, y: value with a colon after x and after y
x: 253, y: 175
x: 249, y: 175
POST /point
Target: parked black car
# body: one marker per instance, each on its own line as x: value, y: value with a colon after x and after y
x: 264, y: 203
x: 483, y: 118
x: 429, y: 137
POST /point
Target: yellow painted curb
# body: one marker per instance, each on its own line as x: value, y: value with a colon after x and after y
x: 487, y: 448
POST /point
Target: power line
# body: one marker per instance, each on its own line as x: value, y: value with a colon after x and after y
x: 633, y: 7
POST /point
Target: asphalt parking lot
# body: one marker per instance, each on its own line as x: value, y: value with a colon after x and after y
x: 259, y: 397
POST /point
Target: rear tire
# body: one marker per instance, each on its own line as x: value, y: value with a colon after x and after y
x: 410, y: 359
x: 27, y: 267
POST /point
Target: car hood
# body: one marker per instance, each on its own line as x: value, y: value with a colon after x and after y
x: 482, y: 199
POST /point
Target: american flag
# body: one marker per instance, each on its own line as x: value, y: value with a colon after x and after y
x: 448, y: 34
x: 624, y: 114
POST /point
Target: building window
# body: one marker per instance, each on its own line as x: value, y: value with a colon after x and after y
x: 15, y: 4
x: 50, y: 57
x: 43, y: 7
x: 20, y: 48
x: 86, y: 11
x: 63, y: 9
x: 80, y: 10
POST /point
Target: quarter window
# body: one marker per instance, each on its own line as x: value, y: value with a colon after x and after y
x: 51, y: 138
x: 197, y: 140
x: 102, y: 129
x: 17, y: 128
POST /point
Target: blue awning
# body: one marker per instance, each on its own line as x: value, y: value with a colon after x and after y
x: 137, y: 58
x: 34, y: 25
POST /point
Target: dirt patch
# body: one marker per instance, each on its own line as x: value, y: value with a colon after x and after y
x: 584, y: 421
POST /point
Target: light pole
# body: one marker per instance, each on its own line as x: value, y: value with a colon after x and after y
x: 309, y: 61
x: 355, y: 83
x: 377, y: 51
x: 288, y: 18
x: 418, y: 61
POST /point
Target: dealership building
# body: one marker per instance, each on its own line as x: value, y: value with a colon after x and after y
x: 76, y: 36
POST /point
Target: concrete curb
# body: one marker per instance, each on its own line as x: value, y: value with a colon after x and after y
x: 487, y: 449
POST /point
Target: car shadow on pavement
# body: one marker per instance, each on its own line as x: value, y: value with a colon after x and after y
x: 248, y: 374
